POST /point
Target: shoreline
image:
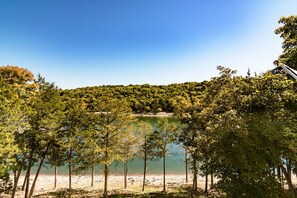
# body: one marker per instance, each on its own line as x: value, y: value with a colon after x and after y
x: 115, y: 175
x: 45, y: 183
x: 157, y: 115
x: 154, y: 183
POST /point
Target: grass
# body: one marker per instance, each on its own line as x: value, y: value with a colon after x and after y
x: 151, y: 192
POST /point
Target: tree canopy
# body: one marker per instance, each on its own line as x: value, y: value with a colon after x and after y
x: 240, y: 129
x: 288, y: 32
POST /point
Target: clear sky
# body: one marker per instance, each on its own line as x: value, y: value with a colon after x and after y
x: 77, y: 43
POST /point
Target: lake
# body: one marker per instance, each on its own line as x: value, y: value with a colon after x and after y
x: 175, y: 160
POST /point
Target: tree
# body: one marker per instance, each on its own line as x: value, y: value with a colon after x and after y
x: 12, y: 121
x: 163, y: 135
x: 20, y: 82
x: 239, y: 130
x: 288, y: 32
x: 74, y: 135
x: 128, y: 150
x: 45, y: 122
x: 187, y: 109
x: 247, y: 127
x: 111, y: 123
x: 144, y: 130
x: 16, y: 75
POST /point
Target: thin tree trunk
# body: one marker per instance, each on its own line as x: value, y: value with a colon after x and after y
x: 92, y: 177
x: 144, y: 166
x: 289, y: 181
x: 206, y: 183
x: 105, y: 165
x: 17, y: 177
x: 55, y: 182
x: 125, y: 173
x: 70, y: 172
x: 25, y: 181
x: 56, y: 170
x: 186, y: 161
x: 28, y: 176
x: 206, y: 176
x: 105, y: 179
x: 211, y: 180
x: 35, y: 179
x: 289, y: 169
x: 164, y: 172
x: 38, y: 170
x: 195, y: 172
x: 14, y: 176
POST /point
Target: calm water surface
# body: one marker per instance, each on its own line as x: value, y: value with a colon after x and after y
x: 175, y: 160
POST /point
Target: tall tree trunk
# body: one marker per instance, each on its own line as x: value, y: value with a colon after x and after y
x: 27, y: 183
x: 105, y: 179
x: 14, y: 176
x: 289, y: 181
x: 17, y: 177
x: 28, y: 174
x: 289, y: 169
x: 38, y: 171
x: 164, y: 172
x: 195, y: 172
x: 206, y: 183
x: 55, y: 170
x: 144, y: 165
x: 55, y: 182
x: 125, y: 173
x: 211, y: 180
x: 70, y: 172
x: 25, y: 180
x: 186, y: 161
x: 105, y: 165
x: 92, y: 177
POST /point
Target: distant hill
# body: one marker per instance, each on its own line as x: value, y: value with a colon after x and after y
x: 142, y: 98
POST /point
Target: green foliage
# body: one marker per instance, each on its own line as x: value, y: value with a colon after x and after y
x: 145, y: 146
x: 239, y: 131
x: 141, y: 98
x: 111, y: 125
x: 74, y: 136
x: 238, y: 128
x: 128, y: 144
x: 288, y: 32
x: 11, y: 121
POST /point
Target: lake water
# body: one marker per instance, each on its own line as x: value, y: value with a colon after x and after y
x: 175, y: 160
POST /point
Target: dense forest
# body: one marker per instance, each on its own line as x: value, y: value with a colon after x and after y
x: 141, y: 98
x: 240, y: 130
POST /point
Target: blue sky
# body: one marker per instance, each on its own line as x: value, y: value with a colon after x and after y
x: 77, y: 43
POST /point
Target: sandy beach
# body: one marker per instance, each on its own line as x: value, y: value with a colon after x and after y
x: 45, y: 183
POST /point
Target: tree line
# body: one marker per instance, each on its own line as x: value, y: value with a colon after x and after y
x: 241, y: 130
x: 141, y: 98
x: 41, y: 125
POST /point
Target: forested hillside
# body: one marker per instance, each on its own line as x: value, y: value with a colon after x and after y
x: 142, y: 98
x: 240, y: 131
